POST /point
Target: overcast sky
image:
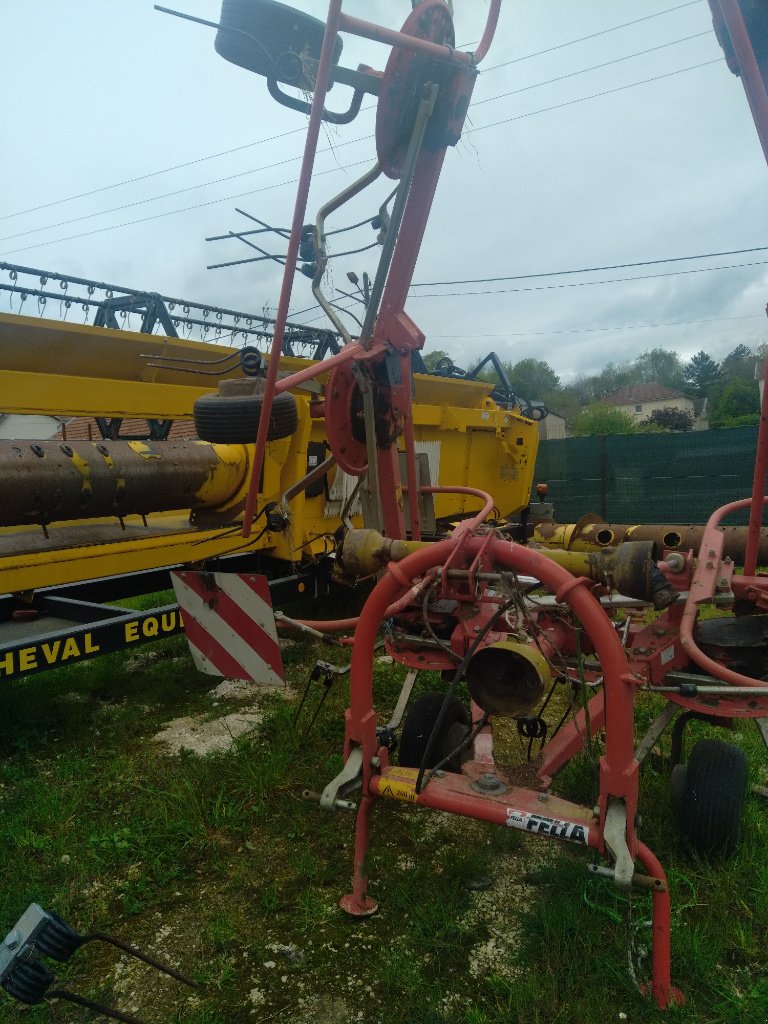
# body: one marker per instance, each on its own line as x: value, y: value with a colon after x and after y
x: 98, y: 92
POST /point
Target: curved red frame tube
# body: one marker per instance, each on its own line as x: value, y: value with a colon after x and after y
x: 710, y: 541
x: 478, y: 518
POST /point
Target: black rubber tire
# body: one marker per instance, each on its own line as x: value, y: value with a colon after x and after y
x: 677, y: 787
x: 418, y: 726
x: 234, y: 419
x: 712, y: 797
x: 268, y: 37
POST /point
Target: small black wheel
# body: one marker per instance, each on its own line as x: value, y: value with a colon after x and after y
x: 272, y: 39
x: 234, y: 419
x: 418, y: 726
x: 710, y: 797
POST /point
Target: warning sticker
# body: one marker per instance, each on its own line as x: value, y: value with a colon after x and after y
x: 539, y: 823
x: 667, y: 655
x: 398, y: 790
x: 402, y: 788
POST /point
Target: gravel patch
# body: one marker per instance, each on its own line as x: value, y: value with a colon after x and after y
x: 498, y: 909
x: 194, y: 733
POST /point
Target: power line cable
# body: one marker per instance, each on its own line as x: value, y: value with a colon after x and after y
x: 186, y: 209
x: 594, y: 67
x: 585, y: 284
x: 593, y: 35
x: 152, y: 174
x: 469, y: 131
x: 240, y: 174
x: 337, y: 305
x: 180, y: 191
x: 294, y: 131
x: 591, y: 270
x: 594, y: 95
x: 279, y: 163
x: 595, y: 330
x: 583, y: 330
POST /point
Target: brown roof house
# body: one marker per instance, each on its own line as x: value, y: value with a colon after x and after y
x: 640, y: 400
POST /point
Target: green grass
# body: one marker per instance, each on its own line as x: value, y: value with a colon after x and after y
x: 217, y: 864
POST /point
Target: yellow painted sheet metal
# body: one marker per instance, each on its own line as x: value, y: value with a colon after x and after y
x: 70, y: 369
x: 62, y: 395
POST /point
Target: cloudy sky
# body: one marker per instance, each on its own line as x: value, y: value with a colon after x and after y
x: 127, y: 140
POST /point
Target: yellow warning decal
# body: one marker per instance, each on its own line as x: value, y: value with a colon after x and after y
x: 403, y: 788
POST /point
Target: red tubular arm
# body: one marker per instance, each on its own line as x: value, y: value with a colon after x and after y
x: 688, y: 619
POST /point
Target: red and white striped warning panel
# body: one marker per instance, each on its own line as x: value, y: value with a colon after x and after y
x: 230, y: 625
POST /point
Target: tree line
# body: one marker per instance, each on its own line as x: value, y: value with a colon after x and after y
x: 729, y: 385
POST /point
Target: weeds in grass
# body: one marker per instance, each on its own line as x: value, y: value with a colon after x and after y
x: 221, y: 852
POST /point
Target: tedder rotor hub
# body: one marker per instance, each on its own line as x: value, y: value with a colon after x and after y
x: 405, y: 78
x: 345, y: 416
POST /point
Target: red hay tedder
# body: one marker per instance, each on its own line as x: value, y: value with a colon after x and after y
x: 482, y: 606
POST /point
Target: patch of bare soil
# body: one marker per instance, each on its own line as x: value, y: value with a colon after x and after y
x: 194, y: 733
x: 201, y: 735
x: 243, y: 689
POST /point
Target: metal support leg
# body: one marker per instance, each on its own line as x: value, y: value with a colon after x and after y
x: 357, y: 903
x: 661, y: 988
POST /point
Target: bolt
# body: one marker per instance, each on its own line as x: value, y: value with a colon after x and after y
x: 375, y: 762
x: 12, y: 939
x: 488, y: 781
x: 596, y: 811
x: 543, y: 797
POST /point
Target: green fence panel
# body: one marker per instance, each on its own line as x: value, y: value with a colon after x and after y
x: 649, y: 478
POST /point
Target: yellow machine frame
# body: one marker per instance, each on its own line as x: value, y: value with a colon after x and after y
x: 75, y: 370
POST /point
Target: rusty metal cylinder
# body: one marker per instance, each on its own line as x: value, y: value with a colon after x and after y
x: 366, y: 551
x: 51, y: 481
x: 594, y: 535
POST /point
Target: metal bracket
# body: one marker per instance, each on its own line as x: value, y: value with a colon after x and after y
x: 373, y: 516
x: 615, y: 835
x: 762, y: 725
x: 402, y: 700
x: 326, y: 673
x: 654, y: 732
x: 349, y: 778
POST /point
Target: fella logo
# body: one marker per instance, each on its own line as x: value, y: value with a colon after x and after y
x: 540, y: 824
